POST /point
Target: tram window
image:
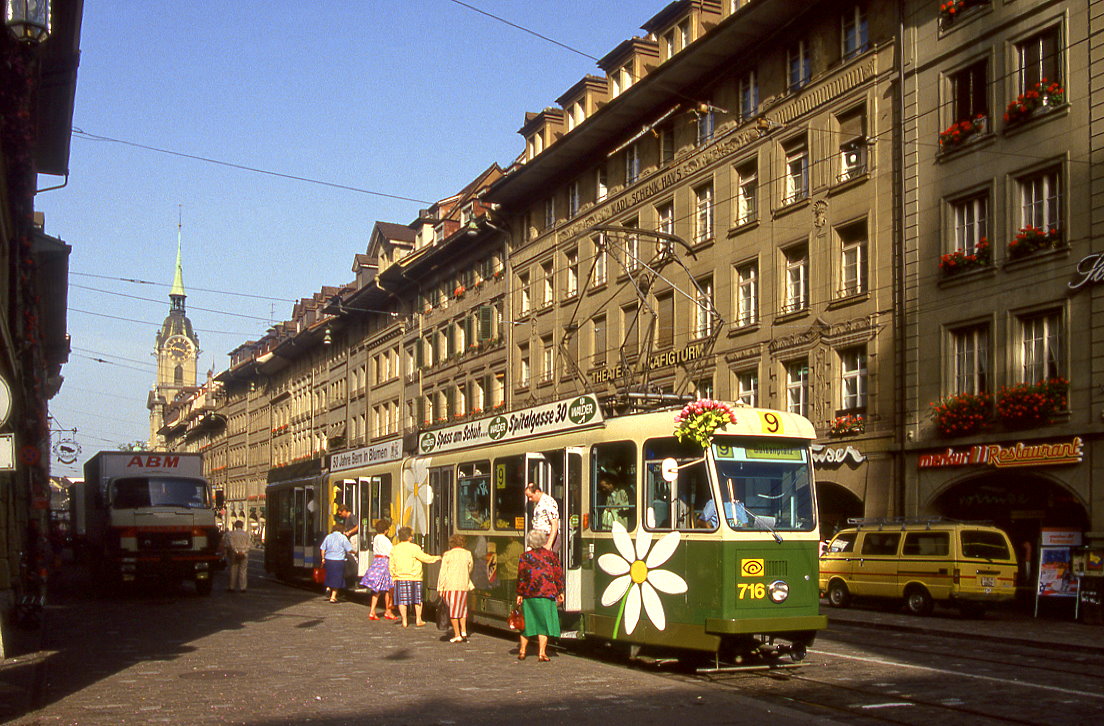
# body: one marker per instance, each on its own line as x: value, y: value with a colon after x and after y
x: 930, y: 544
x: 613, y: 486
x: 881, y: 543
x: 986, y: 545
x: 677, y: 504
x: 509, y: 493
x: 474, y: 495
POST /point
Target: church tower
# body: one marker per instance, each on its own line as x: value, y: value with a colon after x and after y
x: 177, y: 351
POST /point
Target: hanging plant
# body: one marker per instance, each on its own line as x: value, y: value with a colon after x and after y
x: 1024, y: 405
x: 699, y: 419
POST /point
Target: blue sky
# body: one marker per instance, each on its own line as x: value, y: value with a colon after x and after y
x: 404, y: 97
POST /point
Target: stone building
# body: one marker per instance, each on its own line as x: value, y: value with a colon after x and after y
x: 1001, y: 360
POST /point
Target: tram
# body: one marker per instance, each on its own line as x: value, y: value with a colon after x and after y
x: 665, y: 545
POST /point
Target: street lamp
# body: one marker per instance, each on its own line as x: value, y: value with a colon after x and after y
x: 28, y: 20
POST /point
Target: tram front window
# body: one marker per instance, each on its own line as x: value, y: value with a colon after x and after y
x: 764, y: 485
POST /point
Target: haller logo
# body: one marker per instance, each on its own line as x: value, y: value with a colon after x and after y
x: 427, y: 442
x: 582, y: 410
x: 497, y: 428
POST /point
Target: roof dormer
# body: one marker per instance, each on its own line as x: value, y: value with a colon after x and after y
x: 584, y: 98
x: 541, y: 130
x: 681, y: 23
x: 630, y: 61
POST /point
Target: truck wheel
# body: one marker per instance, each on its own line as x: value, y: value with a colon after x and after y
x: 918, y: 601
x: 838, y: 595
x: 204, y: 587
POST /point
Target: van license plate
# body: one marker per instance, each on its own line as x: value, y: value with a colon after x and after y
x: 988, y: 582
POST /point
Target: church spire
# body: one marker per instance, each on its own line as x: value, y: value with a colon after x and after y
x: 176, y: 294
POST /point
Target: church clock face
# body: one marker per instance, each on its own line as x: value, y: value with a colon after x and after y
x: 179, y: 349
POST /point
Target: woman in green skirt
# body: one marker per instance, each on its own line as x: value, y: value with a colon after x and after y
x: 540, y: 586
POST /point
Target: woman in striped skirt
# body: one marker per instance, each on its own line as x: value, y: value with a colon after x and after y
x: 453, y: 584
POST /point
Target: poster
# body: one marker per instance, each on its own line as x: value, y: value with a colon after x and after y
x: 1055, y: 573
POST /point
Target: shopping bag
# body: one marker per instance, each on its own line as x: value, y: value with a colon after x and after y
x: 318, y: 575
x: 443, y: 620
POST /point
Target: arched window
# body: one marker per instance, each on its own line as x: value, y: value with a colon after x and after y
x: 178, y: 376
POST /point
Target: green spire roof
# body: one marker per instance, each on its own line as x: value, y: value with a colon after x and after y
x: 178, y: 277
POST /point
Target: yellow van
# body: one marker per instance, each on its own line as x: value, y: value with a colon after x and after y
x: 922, y: 561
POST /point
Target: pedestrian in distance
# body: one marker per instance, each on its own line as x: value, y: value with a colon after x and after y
x: 454, y: 583
x: 546, y: 513
x: 540, y: 587
x: 378, y: 577
x: 335, y: 548
x: 234, y: 546
x: 406, y: 571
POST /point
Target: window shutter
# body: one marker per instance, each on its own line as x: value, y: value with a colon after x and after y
x: 486, y: 322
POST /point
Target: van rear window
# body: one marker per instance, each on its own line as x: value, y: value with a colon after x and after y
x: 985, y: 545
x: 881, y: 543
x: 927, y: 544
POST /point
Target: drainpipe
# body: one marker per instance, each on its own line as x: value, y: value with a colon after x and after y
x: 899, y: 287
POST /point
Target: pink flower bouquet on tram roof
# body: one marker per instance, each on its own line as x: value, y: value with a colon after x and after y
x: 699, y: 419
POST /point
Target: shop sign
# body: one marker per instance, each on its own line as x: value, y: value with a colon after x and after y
x: 1060, y: 537
x: 375, y: 454
x: 828, y: 456
x: 1018, y: 454
x: 571, y: 413
x: 1091, y: 270
x: 660, y: 360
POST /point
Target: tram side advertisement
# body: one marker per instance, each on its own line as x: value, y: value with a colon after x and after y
x: 564, y: 415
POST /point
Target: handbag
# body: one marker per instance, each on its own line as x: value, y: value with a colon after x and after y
x: 350, y: 566
x: 516, y: 619
x: 318, y: 575
x: 444, y: 622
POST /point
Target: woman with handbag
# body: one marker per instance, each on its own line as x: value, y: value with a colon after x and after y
x: 540, y: 587
x: 453, y: 584
x: 335, y: 548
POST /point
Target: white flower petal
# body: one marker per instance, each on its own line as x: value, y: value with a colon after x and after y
x: 623, y: 542
x: 632, y: 610
x: 653, y: 606
x: 612, y: 564
x: 643, y: 542
x: 663, y: 550
x: 615, y: 590
x: 667, y: 581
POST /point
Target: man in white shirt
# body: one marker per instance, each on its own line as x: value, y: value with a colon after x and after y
x: 546, y: 515
x: 235, y: 547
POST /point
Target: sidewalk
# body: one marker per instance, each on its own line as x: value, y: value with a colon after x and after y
x: 1002, y: 625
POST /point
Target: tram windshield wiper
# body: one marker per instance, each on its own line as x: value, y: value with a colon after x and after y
x: 762, y: 521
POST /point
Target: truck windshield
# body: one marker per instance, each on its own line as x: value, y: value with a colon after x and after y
x: 155, y: 491
x: 765, y: 484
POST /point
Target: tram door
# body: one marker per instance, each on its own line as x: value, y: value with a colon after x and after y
x: 303, y: 515
x: 346, y: 493
x: 559, y: 473
x: 440, y: 525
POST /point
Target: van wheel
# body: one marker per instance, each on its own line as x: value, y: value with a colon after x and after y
x: 918, y: 601
x: 838, y: 595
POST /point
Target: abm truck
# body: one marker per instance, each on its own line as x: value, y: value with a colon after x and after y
x: 141, y: 515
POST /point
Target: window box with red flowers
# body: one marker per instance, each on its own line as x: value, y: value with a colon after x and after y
x: 1025, y: 405
x: 459, y: 291
x: 951, y: 9
x: 1040, y: 98
x: 1031, y: 239
x: 962, y: 413
x: 958, y: 133
x: 960, y: 260
x: 848, y: 423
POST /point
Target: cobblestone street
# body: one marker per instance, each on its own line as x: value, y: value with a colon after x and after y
x: 280, y: 655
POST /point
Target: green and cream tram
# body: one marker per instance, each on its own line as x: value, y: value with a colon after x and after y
x: 664, y: 544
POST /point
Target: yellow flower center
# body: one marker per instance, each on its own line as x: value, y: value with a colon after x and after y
x: 638, y: 572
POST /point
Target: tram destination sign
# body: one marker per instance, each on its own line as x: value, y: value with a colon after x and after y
x: 565, y: 415
x: 375, y: 454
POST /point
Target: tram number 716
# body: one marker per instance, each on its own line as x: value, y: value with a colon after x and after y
x: 752, y: 590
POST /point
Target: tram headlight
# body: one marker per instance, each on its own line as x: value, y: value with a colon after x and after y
x: 778, y: 591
